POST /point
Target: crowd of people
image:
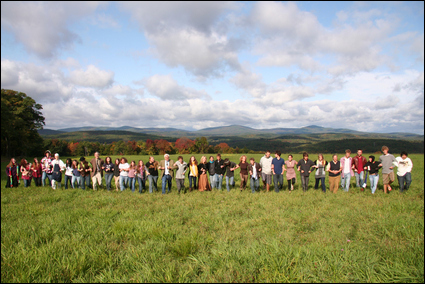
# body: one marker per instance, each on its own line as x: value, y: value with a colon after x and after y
x: 81, y: 173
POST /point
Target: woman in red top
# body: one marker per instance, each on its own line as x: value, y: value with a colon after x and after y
x: 36, y: 172
x: 26, y: 172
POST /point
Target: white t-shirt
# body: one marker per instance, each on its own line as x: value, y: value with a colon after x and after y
x: 124, y: 166
x: 404, y: 166
x: 347, y: 165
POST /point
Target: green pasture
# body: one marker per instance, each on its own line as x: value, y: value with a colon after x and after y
x: 79, y: 235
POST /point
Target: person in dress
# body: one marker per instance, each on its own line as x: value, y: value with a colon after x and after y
x: 203, y: 184
x: 243, y: 165
x: 290, y: 172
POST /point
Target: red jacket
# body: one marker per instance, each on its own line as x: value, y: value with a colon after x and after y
x: 356, y: 163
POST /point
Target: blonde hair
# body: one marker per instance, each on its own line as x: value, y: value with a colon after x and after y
x: 203, y: 159
x: 240, y: 159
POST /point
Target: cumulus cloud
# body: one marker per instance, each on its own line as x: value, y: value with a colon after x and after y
x: 92, y: 77
x: 42, y: 27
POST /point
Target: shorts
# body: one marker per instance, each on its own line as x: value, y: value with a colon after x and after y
x: 388, y: 177
x: 267, y: 178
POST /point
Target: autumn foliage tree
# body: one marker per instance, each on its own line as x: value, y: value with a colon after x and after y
x: 184, y: 144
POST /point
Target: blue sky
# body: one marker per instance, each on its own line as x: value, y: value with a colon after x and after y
x: 192, y: 65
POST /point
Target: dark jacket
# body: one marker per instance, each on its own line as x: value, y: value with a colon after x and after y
x: 217, y: 167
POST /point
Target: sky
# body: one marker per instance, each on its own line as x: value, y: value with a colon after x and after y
x: 193, y: 65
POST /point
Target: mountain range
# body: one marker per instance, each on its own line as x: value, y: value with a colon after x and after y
x: 231, y: 130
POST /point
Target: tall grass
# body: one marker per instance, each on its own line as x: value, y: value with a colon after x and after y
x: 98, y: 236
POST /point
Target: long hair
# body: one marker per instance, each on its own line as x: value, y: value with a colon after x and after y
x: 195, y: 162
x: 241, y: 158
x: 203, y: 160
x: 24, y: 163
x: 323, y: 159
x: 140, y: 166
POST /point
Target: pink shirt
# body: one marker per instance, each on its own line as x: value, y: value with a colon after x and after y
x: 131, y: 173
x: 290, y: 169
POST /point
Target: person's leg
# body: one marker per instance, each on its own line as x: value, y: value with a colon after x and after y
x: 347, y: 179
x: 357, y: 175
x: 164, y: 181
x: 276, y: 183
x: 220, y: 181
x: 169, y: 181
x: 150, y: 179
x: 49, y: 176
x: 316, y: 185
x: 252, y: 184
x: 289, y: 184
x: 178, y: 184
x: 323, y: 184
x: 140, y: 180
x: 155, y: 183
x: 401, y: 182
x: 132, y: 184
x: 190, y: 182
x: 303, y: 180
x: 110, y: 176
x: 82, y: 183
x: 212, y: 182
x: 408, y: 179
x: 117, y: 182
x: 122, y: 181
x: 280, y: 181
x: 94, y: 182
x: 227, y: 183
x: 43, y: 178
x: 373, y: 183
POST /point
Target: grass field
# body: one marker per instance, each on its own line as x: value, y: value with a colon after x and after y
x: 99, y: 236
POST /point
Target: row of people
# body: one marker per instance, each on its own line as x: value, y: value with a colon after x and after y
x: 81, y: 173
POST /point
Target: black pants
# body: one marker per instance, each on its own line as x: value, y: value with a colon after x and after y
x: 37, y: 181
x: 14, y: 182
x: 291, y: 181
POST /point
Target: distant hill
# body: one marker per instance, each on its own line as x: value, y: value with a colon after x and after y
x: 239, y: 131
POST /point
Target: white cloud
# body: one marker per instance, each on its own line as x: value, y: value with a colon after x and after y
x: 42, y: 27
x: 92, y: 77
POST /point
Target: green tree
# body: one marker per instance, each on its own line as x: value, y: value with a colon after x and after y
x: 20, y: 119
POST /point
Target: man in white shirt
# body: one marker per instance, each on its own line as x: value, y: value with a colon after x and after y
x: 404, y: 170
x: 266, y: 166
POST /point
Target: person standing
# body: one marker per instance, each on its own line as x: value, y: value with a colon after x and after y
x: 108, y: 167
x: 373, y: 168
x: 211, y: 171
x: 387, y: 162
x: 219, y: 169
x: 132, y: 176
x: 266, y: 170
x: 141, y: 175
x: 358, y: 164
x: 320, y: 164
x: 12, y: 174
x: 193, y: 172
x: 180, y: 174
x: 26, y: 172
x: 76, y: 174
x: 243, y: 165
x: 117, y: 174
x: 278, y: 166
x: 203, y: 184
x: 68, y: 173
x: 347, y: 170
x: 152, y: 167
x: 85, y: 170
x: 124, y: 169
x: 334, y: 170
x: 304, y: 167
x: 46, y: 166
x: 58, y: 167
x: 254, y: 170
x: 167, y: 172
x: 36, y: 172
x: 290, y: 172
x: 97, y: 173
x: 404, y: 171
x: 230, y: 173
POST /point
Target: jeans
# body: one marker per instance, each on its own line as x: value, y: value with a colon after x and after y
x: 304, y: 182
x: 359, y: 178
x: 141, y: 182
x: 76, y: 179
x: 166, y: 180
x: 132, y: 183
x: 153, y: 180
x: 192, y: 179
x: 345, y: 181
x: 37, y: 181
x: 123, y: 182
x: 218, y: 179
x: 27, y: 182
x: 278, y: 182
x: 45, y: 175
x: 180, y: 184
x: 85, y: 180
x: 404, y: 181
x: 255, y: 184
x: 232, y: 182
x: 68, y: 178
x: 108, y: 181
x: 316, y: 186
x: 212, y: 181
x: 373, y: 182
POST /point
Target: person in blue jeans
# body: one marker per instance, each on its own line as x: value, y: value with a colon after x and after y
x: 167, y: 166
x: 152, y: 174
x: 219, y: 169
x: 124, y: 169
x: 230, y: 173
x: 404, y: 169
x: 347, y: 170
x: 320, y: 164
x: 277, y: 171
x: 373, y: 168
x: 254, y: 170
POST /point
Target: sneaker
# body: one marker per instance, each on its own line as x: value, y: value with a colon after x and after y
x: 389, y: 188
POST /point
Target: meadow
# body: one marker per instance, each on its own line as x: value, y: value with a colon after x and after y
x: 79, y: 235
